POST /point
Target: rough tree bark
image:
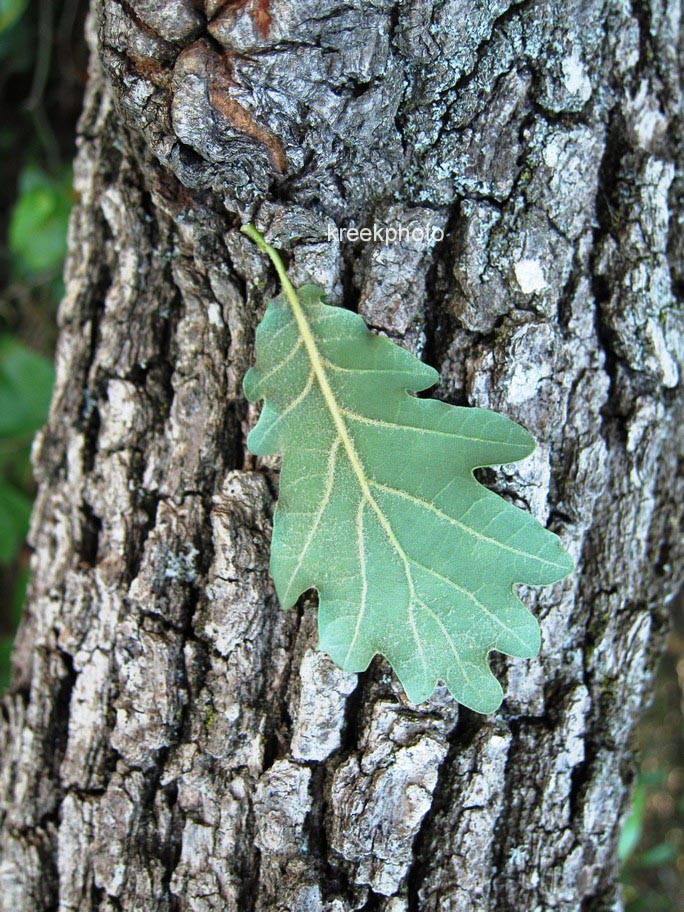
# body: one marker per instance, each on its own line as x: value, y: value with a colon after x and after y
x: 171, y: 740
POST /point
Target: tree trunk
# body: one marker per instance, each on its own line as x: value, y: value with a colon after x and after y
x: 172, y: 740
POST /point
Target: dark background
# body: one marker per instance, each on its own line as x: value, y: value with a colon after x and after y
x: 43, y: 73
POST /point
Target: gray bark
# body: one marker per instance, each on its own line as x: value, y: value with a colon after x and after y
x: 173, y: 741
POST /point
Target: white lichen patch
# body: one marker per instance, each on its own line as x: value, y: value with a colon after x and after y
x: 181, y: 566
x: 666, y: 364
x: 553, y: 150
x: 524, y: 382
x: 214, y: 315
x: 530, y: 276
x: 645, y: 118
x: 118, y: 414
x: 575, y: 77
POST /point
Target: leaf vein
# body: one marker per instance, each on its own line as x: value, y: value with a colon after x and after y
x: 363, y: 419
x: 455, y: 522
x: 286, y: 360
x: 327, y: 492
x: 473, y: 598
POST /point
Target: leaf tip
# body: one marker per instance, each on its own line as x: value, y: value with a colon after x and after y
x: 527, y: 441
x: 566, y: 562
x: 486, y: 701
x: 250, y: 385
x: 563, y: 560
x: 418, y: 695
x: 252, y: 444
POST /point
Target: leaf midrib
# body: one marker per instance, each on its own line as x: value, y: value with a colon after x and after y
x: 336, y: 413
x: 316, y: 360
x: 343, y: 437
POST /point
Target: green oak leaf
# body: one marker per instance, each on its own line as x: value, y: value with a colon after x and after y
x: 379, y: 510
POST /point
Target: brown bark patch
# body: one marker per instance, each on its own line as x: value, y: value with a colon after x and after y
x: 241, y: 119
x: 217, y: 71
x: 259, y: 10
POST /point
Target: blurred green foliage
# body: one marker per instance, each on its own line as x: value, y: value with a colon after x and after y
x: 37, y: 238
x: 42, y: 73
x: 38, y: 225
x: 652, y: 840
x: 633, y: 829
x: 10, y: 12
x: 25, y: 387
